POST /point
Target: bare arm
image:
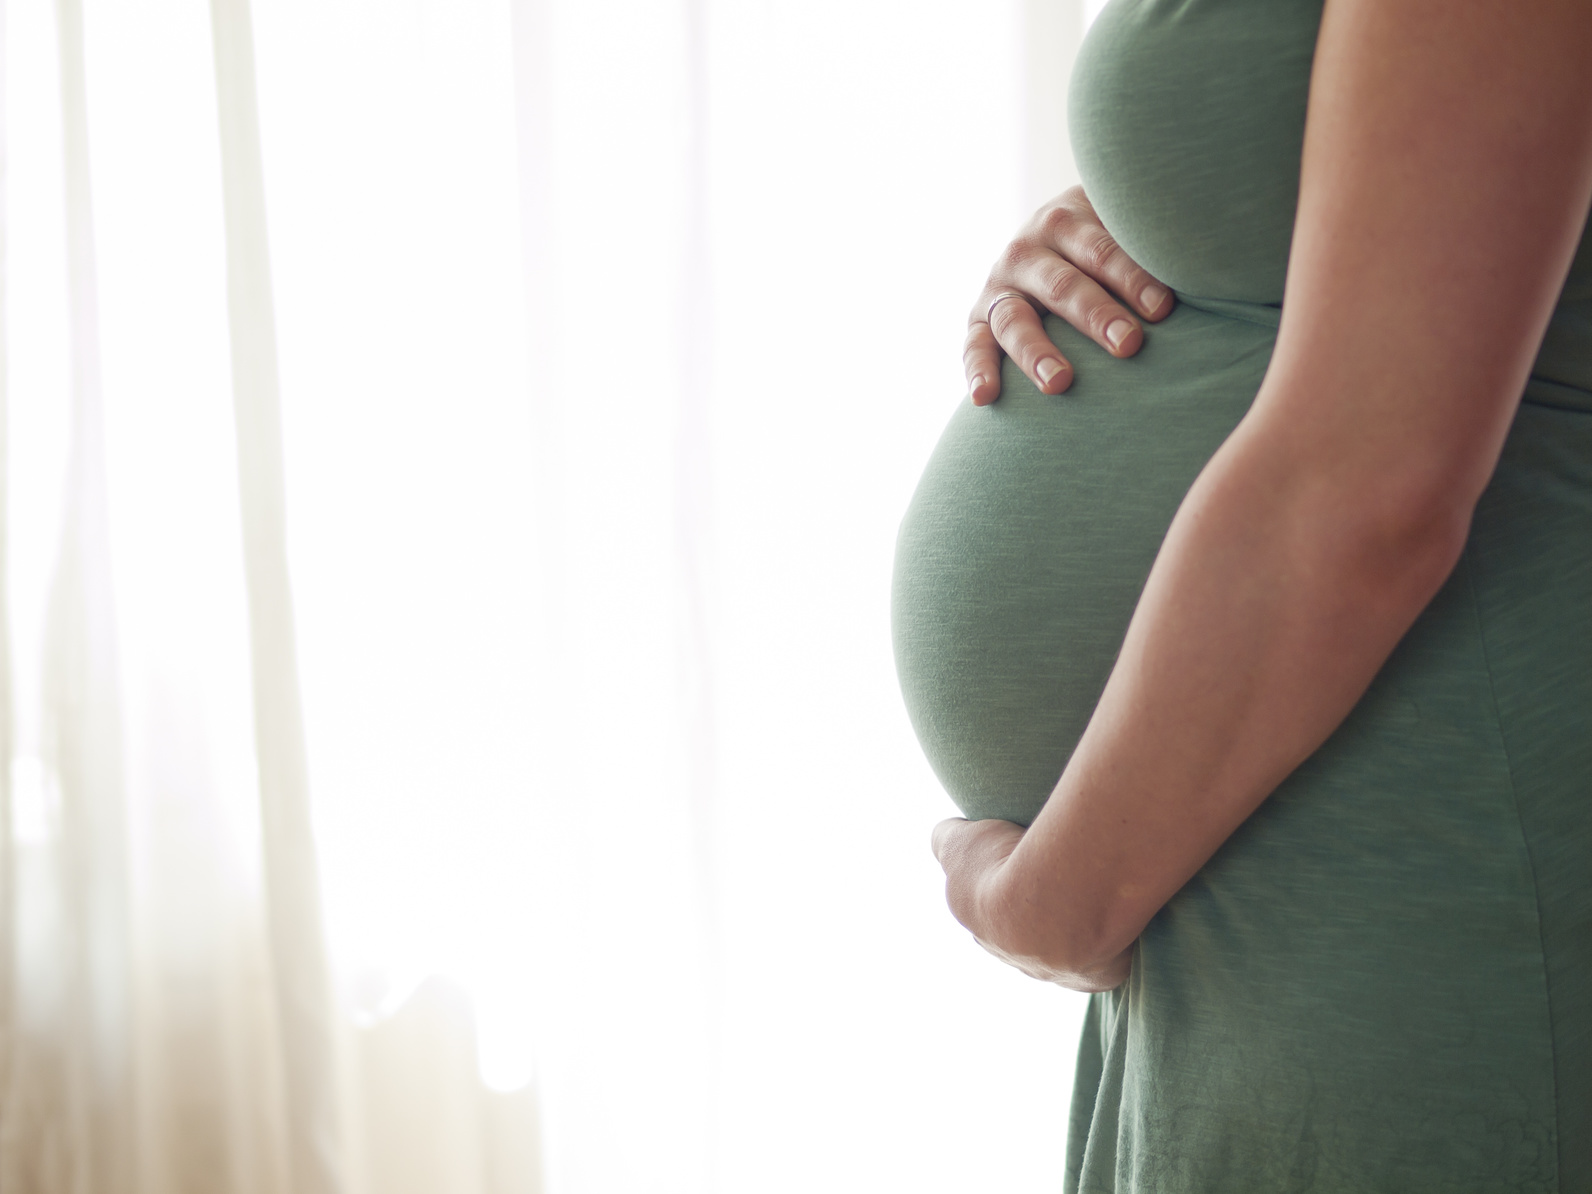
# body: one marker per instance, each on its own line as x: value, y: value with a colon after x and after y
x: 1446, y: 177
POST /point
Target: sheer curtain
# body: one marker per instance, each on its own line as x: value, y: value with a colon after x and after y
x: 453, y: 452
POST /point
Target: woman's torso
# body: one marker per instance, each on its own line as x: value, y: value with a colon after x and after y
x: 1384, y: 979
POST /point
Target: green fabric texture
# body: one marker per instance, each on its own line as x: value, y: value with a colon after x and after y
x: 1383, y: 980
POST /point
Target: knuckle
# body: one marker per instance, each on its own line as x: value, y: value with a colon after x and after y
x: 1100, y: 316
x: 1041, y: 214
x: 1055, y: 222
x: 1011, y: 261
x: 1079, y: 203
x: 1008, y: 316
x: 1061, y: 287
x: 1023, y: 347
x: 1079, y: 213
x: 1094, y: 250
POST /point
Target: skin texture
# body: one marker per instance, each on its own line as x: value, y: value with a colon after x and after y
x: 1066, y: 262
x: 1446, y: 178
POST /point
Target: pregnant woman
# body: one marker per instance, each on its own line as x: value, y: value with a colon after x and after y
x: 1260, y: 660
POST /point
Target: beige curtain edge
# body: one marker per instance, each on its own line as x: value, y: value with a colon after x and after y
x: 292, y: 885
x: 7, y: 846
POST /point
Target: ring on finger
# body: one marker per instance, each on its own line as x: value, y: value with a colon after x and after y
x: 989, y: 312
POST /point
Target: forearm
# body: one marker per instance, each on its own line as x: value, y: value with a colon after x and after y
x: 1281, y: 588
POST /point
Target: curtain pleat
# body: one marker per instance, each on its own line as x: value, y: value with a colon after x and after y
x: 293, y: 900
x: 693, y: 470
x: 7, y: 745
x: 693, y: 555
x: 68, y: 1123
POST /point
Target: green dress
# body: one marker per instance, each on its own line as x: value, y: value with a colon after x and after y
x: 1383, y: 980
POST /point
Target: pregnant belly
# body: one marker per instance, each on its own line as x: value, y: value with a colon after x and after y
x: 1029, y: 539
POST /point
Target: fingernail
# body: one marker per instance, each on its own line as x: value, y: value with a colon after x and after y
x: 1152, y: 298
x: 973, y: 386
x: 1118, y: 332
x: 1047, y: 370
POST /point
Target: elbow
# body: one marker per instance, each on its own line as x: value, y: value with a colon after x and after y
x: 1379, y: 528
x: 1388, y: 513
x: 1402, y: 538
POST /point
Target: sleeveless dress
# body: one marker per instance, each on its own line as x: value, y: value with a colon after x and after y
x: 1383, y: 980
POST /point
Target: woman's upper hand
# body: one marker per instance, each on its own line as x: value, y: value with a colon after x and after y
x: 1064, y: 261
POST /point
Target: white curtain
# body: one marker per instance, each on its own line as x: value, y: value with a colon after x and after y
x: 453, y: 452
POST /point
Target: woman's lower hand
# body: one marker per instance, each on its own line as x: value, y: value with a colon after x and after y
x: 976, y: 856
x: 1063, y: 261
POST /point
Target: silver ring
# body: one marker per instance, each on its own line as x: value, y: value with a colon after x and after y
x: 989, y: 311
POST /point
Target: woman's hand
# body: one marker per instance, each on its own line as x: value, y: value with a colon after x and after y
x: 1064, y: 261
x: 974, y: 855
